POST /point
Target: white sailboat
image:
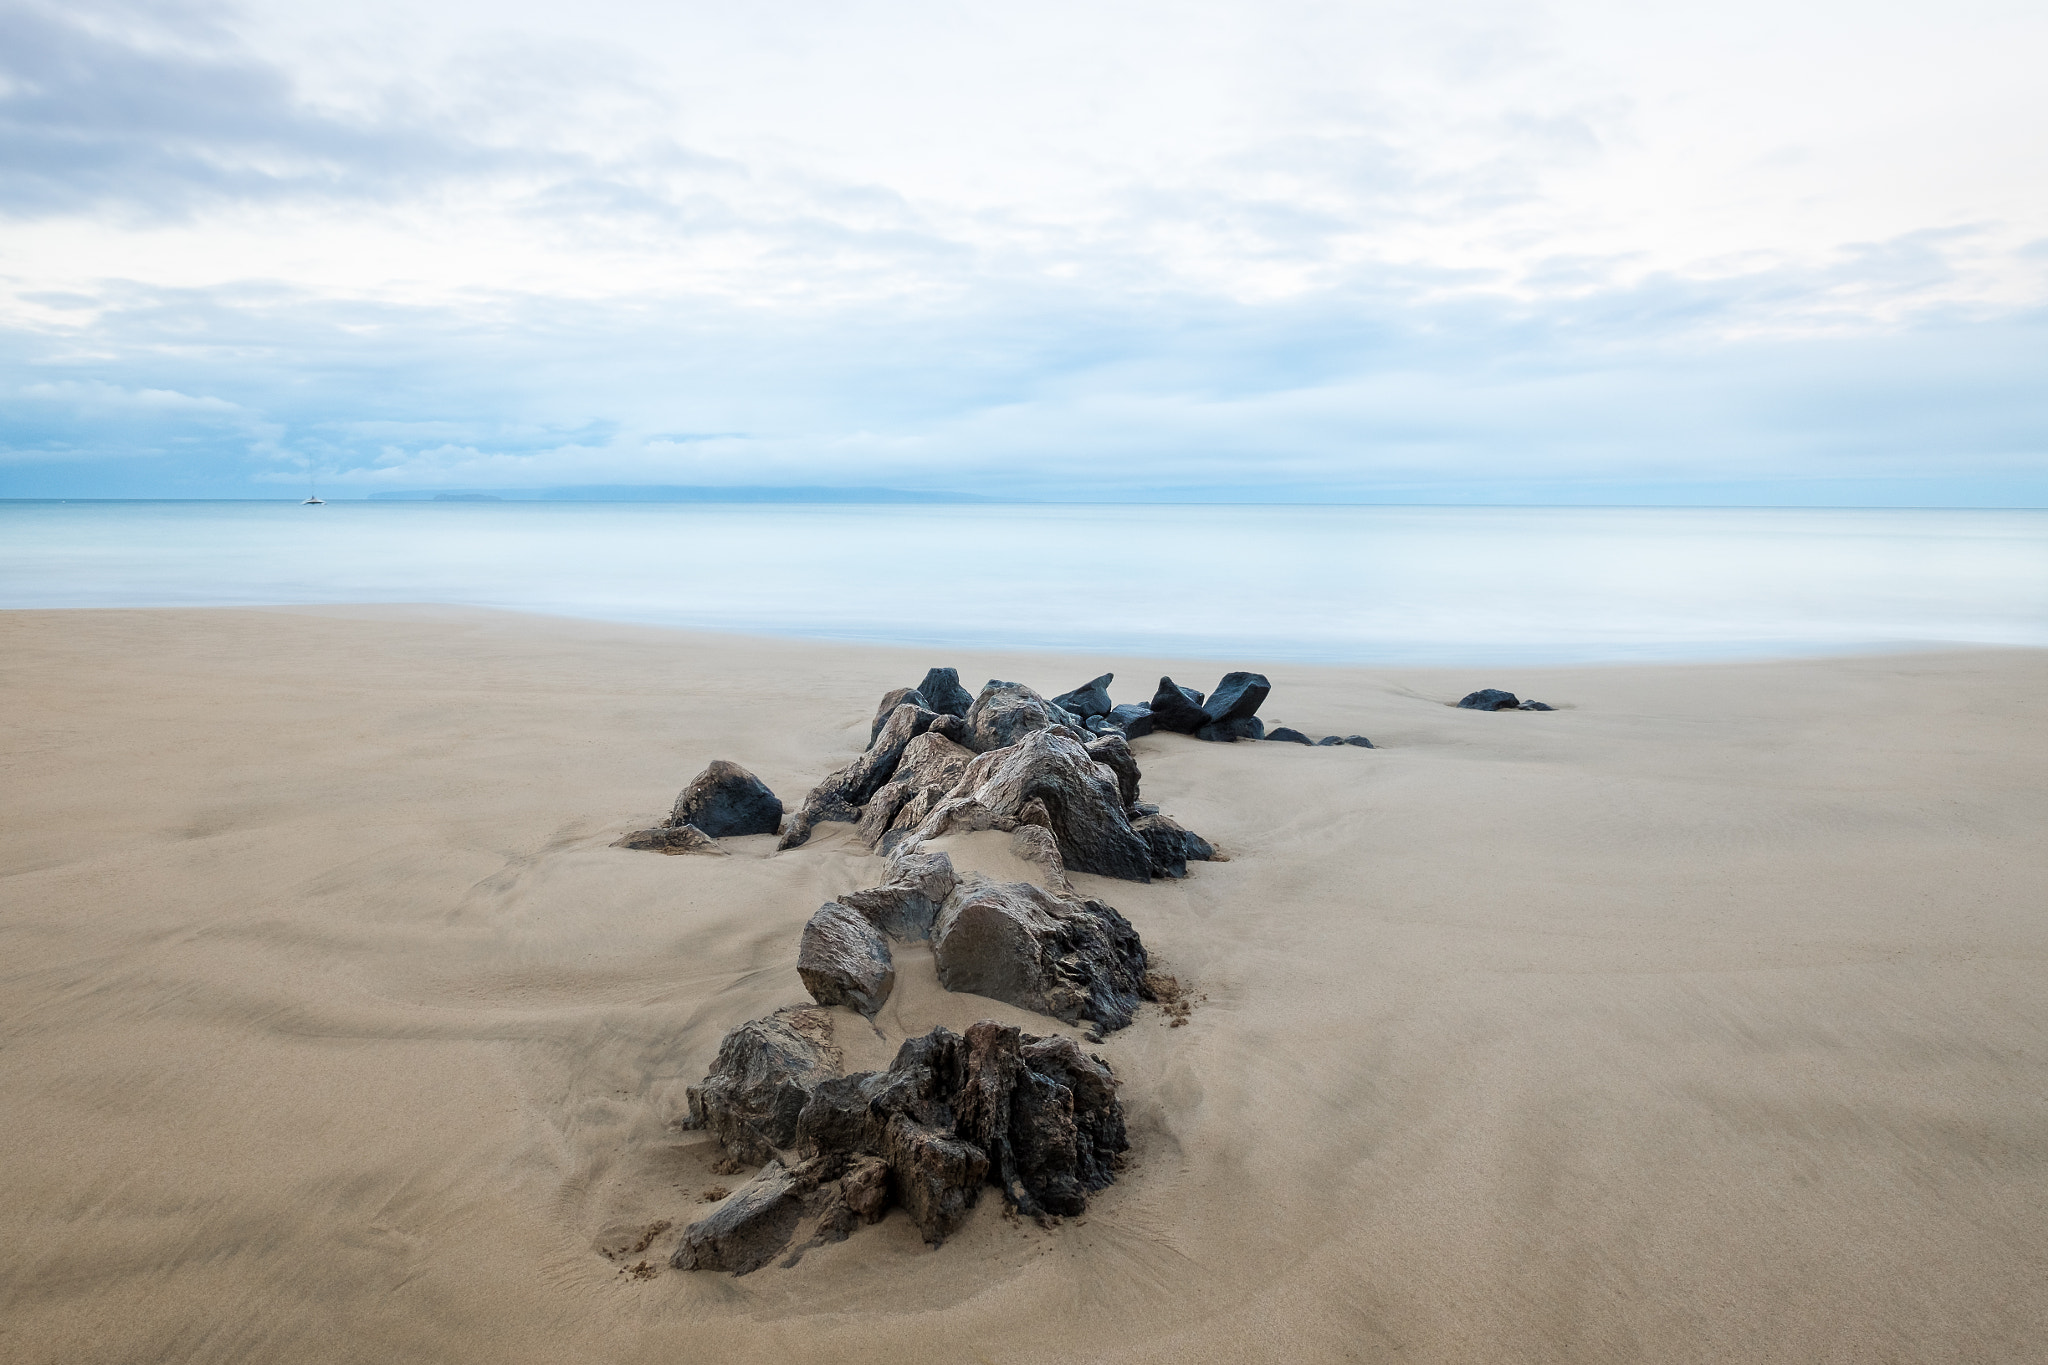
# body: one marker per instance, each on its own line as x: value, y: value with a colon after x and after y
x: 313, y: 498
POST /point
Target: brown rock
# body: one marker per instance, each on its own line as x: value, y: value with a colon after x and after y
x: 1015, y: 942
x: 726, y: 800
x: 844, y: 960
x: 764, y: 1074
x: 745, y: 1231
x: 671, y: 839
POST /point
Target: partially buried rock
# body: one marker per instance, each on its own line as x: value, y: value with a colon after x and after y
x: 1358, y: 741
x: 842, y: 794
x: 672, y: 839
x: 1113, y: 752
x: 1237, y: 697
x: 1173, y: 847
x: 1230, y: 731
x: 844, y: 960
x: 1285, y: 735
x: 1328, y: 741
x: 1089, y: 699
x: 1177, y: 708
x: 1083, y: 799
x: 1023, y: 945
x: 764, y: 1075
x: 725, y: 800
x: 944, y: 694
x: 907, y: 905
x: 1490, y: 699
x: 1535, y: 706
x: 1134, y: 718
x: 747, y: 1230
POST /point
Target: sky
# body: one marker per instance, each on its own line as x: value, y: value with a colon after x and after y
x: 1587, y: 251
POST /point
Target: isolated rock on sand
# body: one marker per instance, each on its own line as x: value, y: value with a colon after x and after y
x: 764, y: 1075
x: 844, y: 960
x: 1490, y: 699
x: 1134, y: 719
x: 1173, y: 847
x: 1089, y: 699
x: 907, y: 905
x: 725, y: 800
x: 1177, y: 708
x: 1238, y: 697
x: 671, y: 839
x: 943, y: 692
x: 1083, y: 798
x: 1287, y: 736
x: 1023, y: 945
x: 1005, y: 712
x: 892, y: 700
x: 746, y: 1231
x: 1113, y: 752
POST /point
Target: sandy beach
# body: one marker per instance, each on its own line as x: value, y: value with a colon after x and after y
x: 1703, y: 1019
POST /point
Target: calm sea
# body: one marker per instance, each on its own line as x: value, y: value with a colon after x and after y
x: 1389, y: 584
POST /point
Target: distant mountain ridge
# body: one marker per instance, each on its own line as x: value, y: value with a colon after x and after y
x: 679, y: 493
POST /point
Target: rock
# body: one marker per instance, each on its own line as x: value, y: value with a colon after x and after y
x: 1237, y: 697
x: 1287, y: 736
x: 725, y: 800
x: 1177, y: 708
x: 1034, y: 843
x: 1230, y: 731
x: 1359, y: 741
x: 1534, y: 706
x: 1113, y: 752
x: 671, y: 839
x: 1005, y: 712
x: 1084, y: 800
x: 929, y: 767
x: 890, y: 701
x: 844, y: 960
x: 764, y: 1075
x: 841, y: 795
x: 1327, y: 740
x: 1045, y: 1114
x: 944, y: 694
x: 865, y: 1188
x: 935, y: 1176
x: 1101, y: 725
x: 1089, y: 699
x: 906, y: 906
x: 1173, y: 847
x: 1133, y: 718
x: 1023, y: 945
x: 746, y: 1231
x: 1490, y: 699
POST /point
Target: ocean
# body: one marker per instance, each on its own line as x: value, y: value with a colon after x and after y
x: 1451, y: 585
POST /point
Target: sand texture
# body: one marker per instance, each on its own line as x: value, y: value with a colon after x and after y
x: 1705, y: 1019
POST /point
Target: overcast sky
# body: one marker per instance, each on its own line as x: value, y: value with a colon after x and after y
x: 1549, y: 252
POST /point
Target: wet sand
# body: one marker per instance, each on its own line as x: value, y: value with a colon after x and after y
x: 1703, y: 1019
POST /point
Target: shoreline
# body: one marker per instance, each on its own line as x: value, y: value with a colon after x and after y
x: 1700, y: 1019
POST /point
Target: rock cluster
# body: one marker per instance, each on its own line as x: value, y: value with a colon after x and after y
x: 1493, y: 699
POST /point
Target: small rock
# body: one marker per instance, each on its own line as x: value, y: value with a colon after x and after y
x: 1033, y: 843
x: 1089, y: 699
x: 1237, y: 697
x: 844, y: 960
x: 1023, y: 945
x: 944, y: 694
x: 746, y: 1231
x: 1134, y: 718
x: 672, y: 839
x: 1230, y: 731
x: 1535, y: 706
x: 1173, y: 847
x: 1177, y: 708
x: 1490, y: 699
x: 724, y: 800
x: 906, y: 906
x: 764, y: 1075
x: 865, y: 1188
x: 1113, y: 752
x: 1328, y: 741
x: 1287, y: 736
x: 1358, y: 741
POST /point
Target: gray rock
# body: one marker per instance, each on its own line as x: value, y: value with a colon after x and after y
x: 1287, y: 736
x: 944, y: 694
x: 1113, y: 752
x: 1328, y: 741
x: 761, y: 1080
x: 746, y: 1231
x: 1237, y: 697
x: 1177, y: 708
x: 890, y: 701
x: 907, y: 905
x: 1535, y: 706
x: 1034, y: 843
x: 1490, y: 699
x: 1084, y: 800
x: 844, y: 960
x: 1102, y: 725
x: 671, y: 839
x: 1089, y: 699
x: 724, y: 800
x: 1023, y: 945
x: 1133, y: 718
x: 1005, y: 712
x: 1230, y: 731
x: 841, y: 795
x: 1172, y: 846
x: 1046, y: 1115
x: 1358, y: 741
x: 936, y: 1177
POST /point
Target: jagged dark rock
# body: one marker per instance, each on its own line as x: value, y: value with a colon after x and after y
x: 841, y: 795
x: 943, y: 692
x: 892, y: 700
x: 763, y: 1077
x: 1133, y: 718
x: 670, y: 839
x: 1238, y: 697
x: 1173, y: 847
x: 1089, y: 699
x: 1230, y: 731
x: 844, y: 960
x: 746, y: 1231
x: 1490, y: 699
x: 1113, y: 752
x: 1005, y: 712
x: 907, y: 905
x: 1535, y: 706
x: 1286, y: 736
x: 724, y: 800
x: 1045, y: 1114
x: 1018, y: 943
x: 1084, y: 801
x: 1177, y: 708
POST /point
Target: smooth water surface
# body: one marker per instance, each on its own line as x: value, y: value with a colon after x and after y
x: 1410, y: 584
